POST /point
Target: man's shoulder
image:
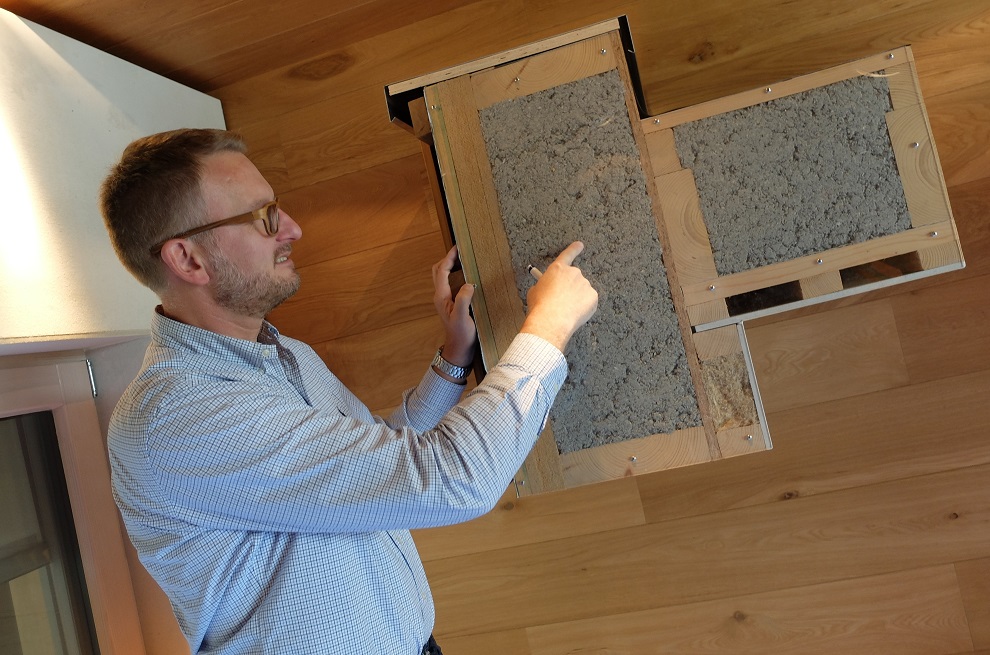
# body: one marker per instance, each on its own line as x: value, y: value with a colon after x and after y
x: 166, y: 374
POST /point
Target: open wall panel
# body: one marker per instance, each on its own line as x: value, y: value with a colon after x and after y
x: 818, y: 187
x: 545, y: 145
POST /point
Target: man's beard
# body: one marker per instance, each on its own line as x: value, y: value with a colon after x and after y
x: 253, y: 296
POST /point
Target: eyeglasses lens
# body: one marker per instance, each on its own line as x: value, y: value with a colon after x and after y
x: 271, y: 222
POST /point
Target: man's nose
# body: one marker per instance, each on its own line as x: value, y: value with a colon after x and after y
x: 288, y: 229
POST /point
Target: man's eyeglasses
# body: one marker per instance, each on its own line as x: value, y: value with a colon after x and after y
x: 268, y: 213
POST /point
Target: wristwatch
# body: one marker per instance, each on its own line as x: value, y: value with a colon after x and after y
x: 456, y: 372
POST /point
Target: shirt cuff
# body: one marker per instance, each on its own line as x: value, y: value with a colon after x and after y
x: 441, y: 390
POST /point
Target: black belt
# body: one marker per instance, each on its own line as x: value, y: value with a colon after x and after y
x: 431, y: 647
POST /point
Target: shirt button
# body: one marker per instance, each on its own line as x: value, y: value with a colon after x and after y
x: 267, y: 353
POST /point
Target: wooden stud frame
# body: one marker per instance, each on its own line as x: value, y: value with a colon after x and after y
x: 453, y: 99
x: 932, y: 241
x: 683, y: 447
x: 453, y: 102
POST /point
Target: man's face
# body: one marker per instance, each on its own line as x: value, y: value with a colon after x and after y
x: 249, y: 292
x: 250, y: 272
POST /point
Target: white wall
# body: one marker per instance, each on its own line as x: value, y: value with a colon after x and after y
x: 66, y: 113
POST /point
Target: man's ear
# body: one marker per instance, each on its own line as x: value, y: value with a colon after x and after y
x: 186, y: 261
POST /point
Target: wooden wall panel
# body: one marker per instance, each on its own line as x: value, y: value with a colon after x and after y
x: 313, y: 38
x: 380, y: 364
x: 974, y: 582
x: 853, y: 442
x: 381, y: 59
x: 264, y: 142
x: 211, y: 43
x: 346, y: 133
x: 971, y: 206
x: 186, y: 41
x: 541, y: 517
x: 917, y: 612
x: 111, y: 21
x: 772, y: 41
x: 492, y: 643
x: 953, y: 59
x: 370, y: 289
x: 837, y: 354
x: 944, y: 329
x: 361, y: 211
x: 896, y: 526
x: 959, y: 131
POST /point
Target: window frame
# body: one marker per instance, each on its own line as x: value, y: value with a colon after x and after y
x: 61, y: 384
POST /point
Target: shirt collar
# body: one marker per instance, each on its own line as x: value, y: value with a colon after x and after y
x: 170, y: 333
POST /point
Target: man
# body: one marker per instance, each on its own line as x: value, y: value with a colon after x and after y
x: 269, y: 504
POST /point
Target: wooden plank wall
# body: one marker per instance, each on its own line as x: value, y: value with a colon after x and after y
x: 866, y: 529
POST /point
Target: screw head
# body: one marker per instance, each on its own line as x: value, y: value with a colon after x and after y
x: 915, y: 145
x: 632, y: 458
x: 711, y: 288
x: 656, y: 121
x: 890, y: 55
x: 749, y: 437
x: 604, y: 51
x: 820, y: 261
x: 934, y: 234
x: 768, y: 90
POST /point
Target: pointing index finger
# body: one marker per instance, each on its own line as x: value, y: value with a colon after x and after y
x: 570, y: 253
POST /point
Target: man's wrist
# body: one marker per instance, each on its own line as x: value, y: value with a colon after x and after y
x: 448, y: 370
x: 548, y: 331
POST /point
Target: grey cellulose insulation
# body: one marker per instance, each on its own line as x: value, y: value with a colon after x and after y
x: 566, y: 168
x: 797, y: 175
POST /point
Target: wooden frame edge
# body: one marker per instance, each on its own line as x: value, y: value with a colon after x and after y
x: 63, y: 388
x: 502, y: 57
x: 777, y: 90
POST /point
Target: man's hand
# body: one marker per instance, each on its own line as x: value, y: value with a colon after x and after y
x: 455, y: 314
x: 561, y: 301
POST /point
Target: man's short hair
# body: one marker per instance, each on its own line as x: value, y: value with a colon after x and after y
x: 154, y: 192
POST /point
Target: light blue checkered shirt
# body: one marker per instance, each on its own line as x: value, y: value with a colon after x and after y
x: 274, y: 509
